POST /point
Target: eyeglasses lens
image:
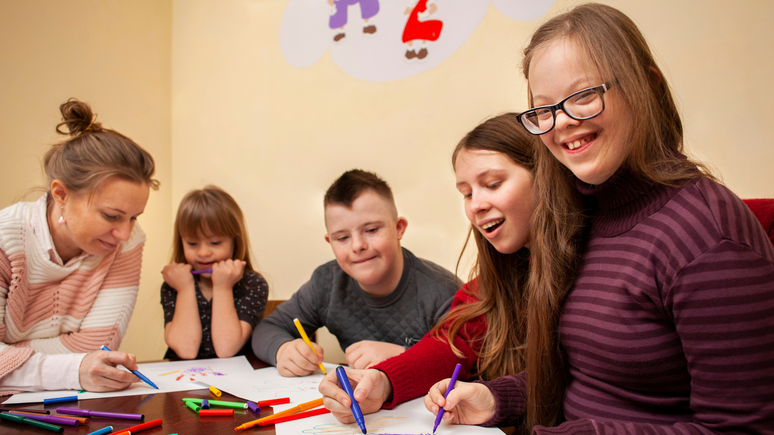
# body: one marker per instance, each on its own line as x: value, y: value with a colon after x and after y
x: 583, y: 105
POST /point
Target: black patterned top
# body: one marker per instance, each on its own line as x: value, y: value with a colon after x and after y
x: 250, y: 296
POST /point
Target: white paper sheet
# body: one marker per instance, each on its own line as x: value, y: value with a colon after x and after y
x: 408, y: 418
x: 168, y: 376
x: 265, y: 384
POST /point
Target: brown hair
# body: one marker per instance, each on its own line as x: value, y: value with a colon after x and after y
x: 500, y: 278
x: 94, y: 154
x: 211, y: 211
x: 617, y: 49
x: 353, y: 183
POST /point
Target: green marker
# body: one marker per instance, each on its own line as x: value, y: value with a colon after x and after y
x: 30, y: 422
x: 221, y: 403
x: 193, y: 406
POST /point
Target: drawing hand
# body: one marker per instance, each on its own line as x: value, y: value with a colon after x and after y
x: 227, y: 273
x: 367, y: 353
x: 295, y: 358
x: 371, y: 388
x: 178, y: 276
x: 468, y: 403
x: 98, y: 371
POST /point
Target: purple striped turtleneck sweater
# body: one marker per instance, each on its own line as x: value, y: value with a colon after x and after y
x: 669, y: 327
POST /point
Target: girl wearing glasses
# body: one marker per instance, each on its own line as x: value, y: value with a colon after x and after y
x: 651, y: 293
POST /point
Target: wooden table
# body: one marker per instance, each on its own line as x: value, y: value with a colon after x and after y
x: 177, y: 418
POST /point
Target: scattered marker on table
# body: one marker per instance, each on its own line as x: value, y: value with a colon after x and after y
x: 89, y: 413
x: 64, y: 399
x: 27, y: 410
x: 103, y: 431
x: 272, y: 402
x: 222, y: 403
x: 212, y: 412
x: 136, y: 372
x: 453, y: 381
x: 193, y: 406
x: 141, y: 427
x: 55, y: 419
x: 253, y: 407
x: 215, y: 391
x: 205, y: 404
x: 29, y: 422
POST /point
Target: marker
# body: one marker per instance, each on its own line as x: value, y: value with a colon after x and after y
x: 53, y: 400
x: 136, y: 373
x: 221, y: 403
x: 213, y: 412
x: 90, y: 413
x: 193, y: 406
x: 27, y: 410
x: 81, y: 420
x: 52, y: 419
x: 294, y: 416
x: 215, y: 391
x: 196, y: 272
x: 139, y: 427
x: 453, y: 381
x: 272, y: 402
x: 253, y: 407
x: 205, y: 404
x: 307, y: 341
x: 289, y: 411
x: 29, y: 422
x: 103, y: 431
x: 344, y: 381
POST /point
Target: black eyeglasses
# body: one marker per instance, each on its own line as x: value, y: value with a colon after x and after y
x: 582, y: 105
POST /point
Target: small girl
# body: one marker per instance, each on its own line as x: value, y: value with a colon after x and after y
x: 212, y: 296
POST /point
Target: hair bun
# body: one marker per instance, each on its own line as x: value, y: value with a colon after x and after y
x: 78, y: 117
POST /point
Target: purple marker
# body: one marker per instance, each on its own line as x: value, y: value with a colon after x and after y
x: 254, y: 407
x: 196, y: 272
x: 53, y: 419
x: 90, y: 413
x: 448, y: 390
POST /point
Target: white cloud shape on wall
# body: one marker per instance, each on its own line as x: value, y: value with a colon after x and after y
x: 305, y: 34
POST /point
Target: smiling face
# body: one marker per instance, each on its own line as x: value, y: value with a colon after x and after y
x: 593, y: 149
x: 498, y: 197
x: 96, y: 225
x: 204, y: 250
x: 366, y: 241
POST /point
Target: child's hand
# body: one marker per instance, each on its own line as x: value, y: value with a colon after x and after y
x: 178, y: 276
x: 371, y: 389
x: 295, y: 358
x: 468, y: 403
x: 367, y: 353
x: 227, y: 273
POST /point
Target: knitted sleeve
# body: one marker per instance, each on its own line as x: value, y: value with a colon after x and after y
x: 431, y: 360
x: 11, y: 357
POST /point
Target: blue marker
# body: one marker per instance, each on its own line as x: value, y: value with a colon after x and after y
x: 137, y: 373
x: 104, y: 430
x: 344, y: 381
x: 60, y: 400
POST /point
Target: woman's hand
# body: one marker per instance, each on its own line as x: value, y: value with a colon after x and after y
x: 227, y: 273
x: 371, y: 389
x: 98, y: 371
x: 367, y: 353
x: 468, y: 403
x: 178, y: 276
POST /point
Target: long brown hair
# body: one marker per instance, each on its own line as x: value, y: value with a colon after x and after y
x: 618, y: 50
x: 211, y: 211
x: 500, y: 278
x: 93, y: 154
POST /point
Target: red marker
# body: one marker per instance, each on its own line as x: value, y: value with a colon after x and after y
x: 211, y: 412
x: 273, y: 402
x: 139, y: 427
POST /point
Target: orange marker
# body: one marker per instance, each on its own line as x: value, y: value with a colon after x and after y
x: 295, y: 416
x: 293, y: 410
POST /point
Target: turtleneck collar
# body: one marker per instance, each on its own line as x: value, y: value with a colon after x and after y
x: 623, y: 201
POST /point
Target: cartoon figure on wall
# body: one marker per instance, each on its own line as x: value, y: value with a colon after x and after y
x: 339, y: 16
x: 403, y: 37
x: 422, y: 31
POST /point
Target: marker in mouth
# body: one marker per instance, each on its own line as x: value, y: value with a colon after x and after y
x: 574, y: 145
x: 491, y: 226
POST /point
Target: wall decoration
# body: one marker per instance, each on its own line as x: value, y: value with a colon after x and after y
x: 381, y: 40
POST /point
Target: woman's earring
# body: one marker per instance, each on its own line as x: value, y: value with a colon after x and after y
x: 61, y: 216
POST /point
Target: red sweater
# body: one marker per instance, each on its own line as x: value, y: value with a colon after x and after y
x: 413, y: 372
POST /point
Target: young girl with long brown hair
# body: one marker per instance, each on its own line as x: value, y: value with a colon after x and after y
x: 484, y: 330
x: 212, y: 297
x: 651, y: 294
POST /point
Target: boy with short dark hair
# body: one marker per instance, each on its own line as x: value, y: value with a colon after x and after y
x: 376, y: 298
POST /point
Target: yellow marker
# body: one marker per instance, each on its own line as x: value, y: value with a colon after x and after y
x: 302, y: 407
x: 215, y: 391
x: 307, y: 341
x: 176, y: 371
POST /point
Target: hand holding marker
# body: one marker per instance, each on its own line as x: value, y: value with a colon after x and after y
x: 137, y: 373
x: 355, y: 407
x: 307, y: 341
x: 448, y: 390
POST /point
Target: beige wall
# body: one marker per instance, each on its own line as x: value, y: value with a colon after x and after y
x: 117, y: 56
x: 202, y: 85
